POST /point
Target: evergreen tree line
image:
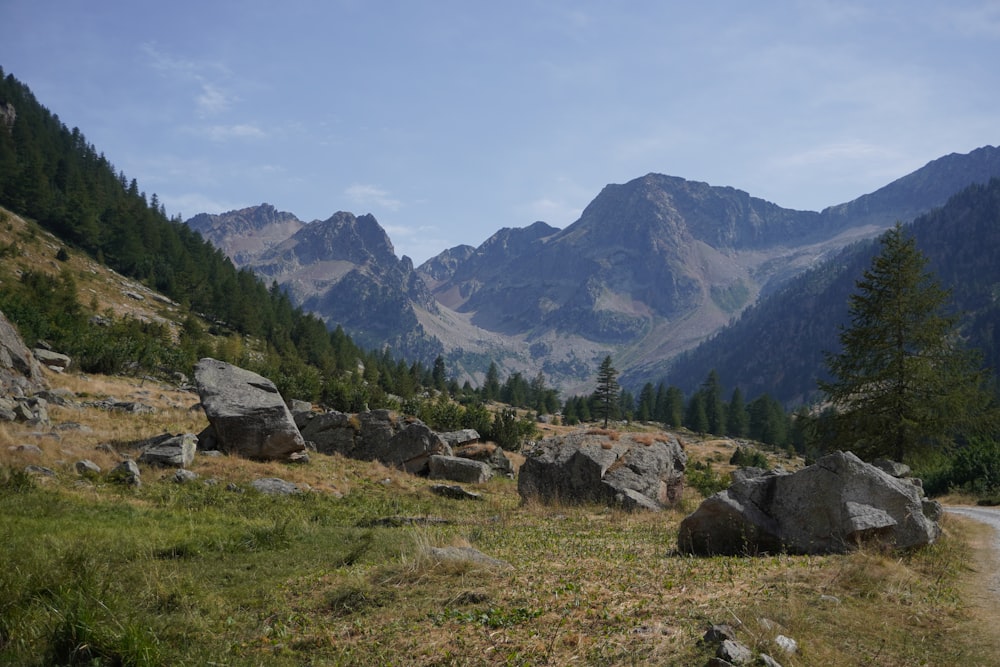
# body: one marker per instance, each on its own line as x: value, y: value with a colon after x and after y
x: 705, y: 411
x: 53, y: 175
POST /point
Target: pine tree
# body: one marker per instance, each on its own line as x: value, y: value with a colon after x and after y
x: 902, y: 385
x: 606, y: 396
x: 737, y: 419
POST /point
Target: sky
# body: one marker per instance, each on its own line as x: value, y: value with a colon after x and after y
x: 451, y: 119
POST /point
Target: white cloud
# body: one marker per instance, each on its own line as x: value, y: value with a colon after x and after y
x: 371, y: 195
x: 239, y: 131
x: 212, y: 100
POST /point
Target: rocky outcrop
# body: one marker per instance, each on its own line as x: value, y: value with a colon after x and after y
x: 20, y: 373
x: 831, y: 506
x: 634, y: 471
x: 246, y: 414
x: 376, y: 435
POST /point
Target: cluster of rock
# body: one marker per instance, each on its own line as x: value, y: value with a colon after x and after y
x: 21, y: 379
x: 730, y: 652
x: 831, y: 506
x: 633, y: 471
x: 248, y: 417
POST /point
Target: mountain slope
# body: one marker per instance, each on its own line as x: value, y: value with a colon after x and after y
x: 777, y: 346
x: 344, y: 269
x: 656, y: 265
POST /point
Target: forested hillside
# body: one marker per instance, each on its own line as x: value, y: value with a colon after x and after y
x: 777, y: 347
x: 53, y: 175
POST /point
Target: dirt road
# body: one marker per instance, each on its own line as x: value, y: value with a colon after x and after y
x: 987, y: 556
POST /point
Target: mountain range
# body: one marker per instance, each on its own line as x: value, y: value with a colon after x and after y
x: 651, y: 269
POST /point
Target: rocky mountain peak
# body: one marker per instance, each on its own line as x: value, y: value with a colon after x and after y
x: 247, y: 233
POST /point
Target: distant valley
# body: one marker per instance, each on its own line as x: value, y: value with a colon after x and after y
x: 652, y: 268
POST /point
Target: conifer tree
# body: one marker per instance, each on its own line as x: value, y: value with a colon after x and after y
x: 606, y: 396
x: 902, y: 385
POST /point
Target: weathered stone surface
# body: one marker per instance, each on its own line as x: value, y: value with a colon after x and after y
x: 629, y: 470
x: 126, y: 472
x: 457, y: 469
x: 246, y: 412
x: 20, y: 372
x: 182, y: 476
x: 87, y: 468
x: 828, y: 507
x: 375, y: 435
x: 54, y: 360
x: 455, y: 492
x: 275, y: 486
x: 490, y: 454
x: 466, y: 555
x: 734, y: 652
x: 894, y: 468
x: 170, y: 451
x: 461, y: 437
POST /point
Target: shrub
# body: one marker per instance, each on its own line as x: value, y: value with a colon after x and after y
x: 748, y: 458
x: 705, y: 479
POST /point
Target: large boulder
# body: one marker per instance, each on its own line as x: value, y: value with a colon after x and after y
x: 633, y: 471
x: 20, y: 372
x: 376, y: 435
x: 831, y: 506
x: 247, y: 415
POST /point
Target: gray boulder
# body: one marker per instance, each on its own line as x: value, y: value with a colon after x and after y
x: 53, y: 360
x: 457, y: 469
x: 170, y: 451
x: 464, y: 436
x: 828, y: 507
x: 634, y: 471
x: 375, y: 435
x: 87, y: 468
x: 20, y: 372
x: 490, y: 454
x: 246, y: 413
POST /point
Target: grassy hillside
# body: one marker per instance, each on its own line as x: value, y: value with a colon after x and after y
x: 212, y: 572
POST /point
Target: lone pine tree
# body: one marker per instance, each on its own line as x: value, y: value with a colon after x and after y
x: 606, y: 395
x: 902, y: 384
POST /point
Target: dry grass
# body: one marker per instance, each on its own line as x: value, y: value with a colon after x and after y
x: 587, y: 585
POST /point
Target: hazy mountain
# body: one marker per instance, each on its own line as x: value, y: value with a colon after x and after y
x: 246, y: 234
x: 778, y: 346
x: 652, y: 268
x: 344, y: 269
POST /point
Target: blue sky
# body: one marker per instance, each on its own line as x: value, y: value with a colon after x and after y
x: 451, y: 119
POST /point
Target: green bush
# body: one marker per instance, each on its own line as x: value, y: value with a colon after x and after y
x: 707, y: 481
x: 748, y: 458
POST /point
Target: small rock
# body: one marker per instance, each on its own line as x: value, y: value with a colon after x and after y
x: 40, y: 470
x: 768, y: 661
x: 719, y: 633
x: 786, y: 644
x: 275, y: 486
x: 126, y: 472
x: 33, y: 450
x: 734, y: 652
x: 466, y: 554
x: 86, y: 467
x: 182, y: 476
x: 455, y: 492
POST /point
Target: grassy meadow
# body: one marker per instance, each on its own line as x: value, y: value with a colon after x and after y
x: 213, y: 573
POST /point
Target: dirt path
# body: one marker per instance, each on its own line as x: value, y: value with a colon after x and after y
x: 984, y: 585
